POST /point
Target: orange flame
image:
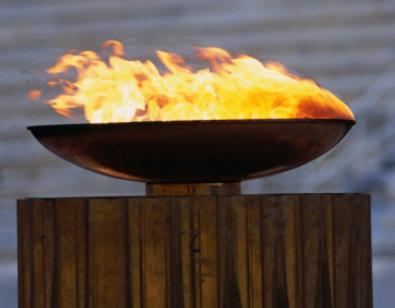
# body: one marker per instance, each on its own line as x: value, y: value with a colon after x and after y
x: 241, y: 87
x: 34, y: 94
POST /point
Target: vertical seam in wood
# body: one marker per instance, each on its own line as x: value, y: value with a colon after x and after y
x: 141, y: 239
x: 352, y: 262
x: 302, y: 242
x: 125, y: 207
x: 32, y: 284
x: 333, y: 205
x: 200, y: 257
x: 78, y: 254
x: 192, y: 257
x: 247, y: 218
x: 217, y: 239
x: 42, y: 242
x: 332, y: 215
x: 76, y: 258
x: 55, y: 280
x: 263, y: 272
x: 323, y: 295
x: 57, y: 263
x: 168, y: 232
x: 86, y: 254
x: 299, y: 253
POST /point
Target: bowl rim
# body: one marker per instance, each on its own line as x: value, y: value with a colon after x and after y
x: 192, y: 122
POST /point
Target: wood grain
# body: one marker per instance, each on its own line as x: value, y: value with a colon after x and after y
x: 193, y: 189
x: 135, y: 253
x: 155, y: 243
x: 71, y: 251
x: 208, y: 252
x: 196, y: 251
x: 239, y: 220
x: 107, y: 257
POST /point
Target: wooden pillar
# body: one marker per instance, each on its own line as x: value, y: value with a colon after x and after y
x: 202, y: 251
x: 199, y: 189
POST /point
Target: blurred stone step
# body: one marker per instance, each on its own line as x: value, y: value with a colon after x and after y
x: 312, y: 41
x: 16, y: 152
x: 335, y: 64
x: 93, y: 33
x: 74, y: 181
x: 25, y: 112
x: 8, y: 282
x: 217, y: 15
x: 91, y: 11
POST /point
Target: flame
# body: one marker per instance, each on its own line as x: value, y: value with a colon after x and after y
x: 240, y: 87
x: 34, y: 94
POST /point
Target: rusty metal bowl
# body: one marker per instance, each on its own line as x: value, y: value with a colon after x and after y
x: 193, y: 151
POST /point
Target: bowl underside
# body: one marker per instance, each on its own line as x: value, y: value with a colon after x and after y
x: 193, y: 151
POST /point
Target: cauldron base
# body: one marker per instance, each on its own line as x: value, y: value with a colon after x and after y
x: 192, y: 189
x: 196, y: 245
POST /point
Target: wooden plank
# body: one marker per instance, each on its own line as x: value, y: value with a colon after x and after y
x: 239, y: 215
x: 343, y: 218
x: 228, y: 288
x: 25, y: 270
x: 196, y: 257
x: 188, y: 250
x: 50, y: 255
x: 254, y: 240
x: 330, y: 245
x: 208, y: 251
x: 289, y: 231
x: 82, y: 238
x: 135, y: 253
x: 223, y: 250
x: 317, y: 288
x: 71, y: 252
x: 39, y: 272
x: 174, y: 256
x: 363, y: 257
x: 268, y: 249
x: 108, y: 264
x: 155, y: 228
x: 311, y: 238
x: 280, y: 249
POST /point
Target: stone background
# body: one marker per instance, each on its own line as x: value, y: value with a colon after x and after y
x: 348, y: 46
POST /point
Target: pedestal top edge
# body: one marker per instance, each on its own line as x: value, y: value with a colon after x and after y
x: 276, y: 195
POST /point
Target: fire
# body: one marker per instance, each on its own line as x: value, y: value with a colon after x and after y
x: 232, y: 87
x: 34, y: 94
